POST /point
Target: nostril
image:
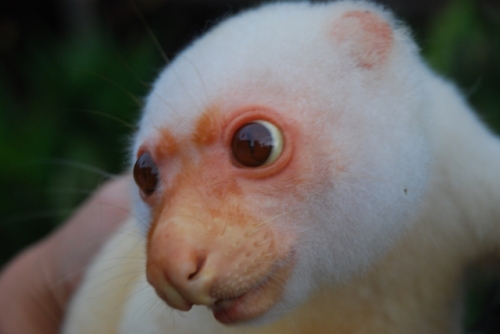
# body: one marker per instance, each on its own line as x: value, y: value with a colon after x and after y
x: 200, y: 261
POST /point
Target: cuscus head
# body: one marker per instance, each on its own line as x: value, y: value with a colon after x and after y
x: 283, y: 149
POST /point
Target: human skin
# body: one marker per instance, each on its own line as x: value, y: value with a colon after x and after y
x: 36, y: 286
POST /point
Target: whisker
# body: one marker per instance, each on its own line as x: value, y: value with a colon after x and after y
x: 132, y: 72
x: 167, y: 313
x: 132, y: 233
x: 134, y: 98
x: 162, y: 99
x: 133, y: 273
x: 55, y: 190
x: 149, y: 32
x: 135, y: 277
x: 225, y: 226
x: 45, y: 276
x: 118, y: 262
x: 190, y: 217
x: 145, y: 290
x: 265, y: 222
x: 23, y: 217
x: 42, y: 307
x: 79, y: 165
x: 106, y: 115
x: 198, y: 73
x: 154, y: 303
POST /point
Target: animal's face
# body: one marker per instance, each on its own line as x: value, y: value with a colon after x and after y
x: 282, y: 150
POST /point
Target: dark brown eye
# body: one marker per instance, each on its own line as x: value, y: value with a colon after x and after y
x: 146, y: 174
x: 257, y: 144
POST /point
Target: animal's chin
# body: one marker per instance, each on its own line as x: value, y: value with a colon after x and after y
x: 231, y: 302
x: 248, y: 306
x: 253, y: 304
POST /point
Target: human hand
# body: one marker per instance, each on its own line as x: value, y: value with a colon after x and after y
x: 36, y: 286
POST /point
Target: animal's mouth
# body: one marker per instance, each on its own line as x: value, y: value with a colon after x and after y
x: 257, y: 300
x: 238, y: 285
x: 249, y: 305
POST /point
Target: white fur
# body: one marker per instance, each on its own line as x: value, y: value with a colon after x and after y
x: 413, y: 184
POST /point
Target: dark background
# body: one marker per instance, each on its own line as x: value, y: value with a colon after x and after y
x: 68, y: 68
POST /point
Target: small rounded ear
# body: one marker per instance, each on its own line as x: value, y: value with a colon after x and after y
x: 366, y: 37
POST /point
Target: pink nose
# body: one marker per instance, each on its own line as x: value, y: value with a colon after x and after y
x: 180, y: 276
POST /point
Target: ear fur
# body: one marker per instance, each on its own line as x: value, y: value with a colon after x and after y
x: 366, y: 37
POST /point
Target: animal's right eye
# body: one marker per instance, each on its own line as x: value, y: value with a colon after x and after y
x: 257, y: 144
x: 146, y: 174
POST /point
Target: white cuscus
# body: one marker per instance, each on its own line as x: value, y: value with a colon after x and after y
x: 393, y: 186
x: 369, y: 125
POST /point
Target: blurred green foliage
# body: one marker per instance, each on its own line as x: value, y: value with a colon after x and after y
x: 69, y: 99
x: 463, y: 43
x: 56, y: 125
x: 57, y: 139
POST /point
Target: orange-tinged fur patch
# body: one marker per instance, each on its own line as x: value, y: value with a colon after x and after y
x: 206, y: 178
x: 208, y: 186
x: 201, y: 191
x: 368, y: 37
x: 203, y: 210
x: 206, y: 212
x: 167, y: 144
x: 207, y: 127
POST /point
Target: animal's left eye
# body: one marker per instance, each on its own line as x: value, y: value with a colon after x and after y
x: 256, y: 144
x: 146, y: 174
